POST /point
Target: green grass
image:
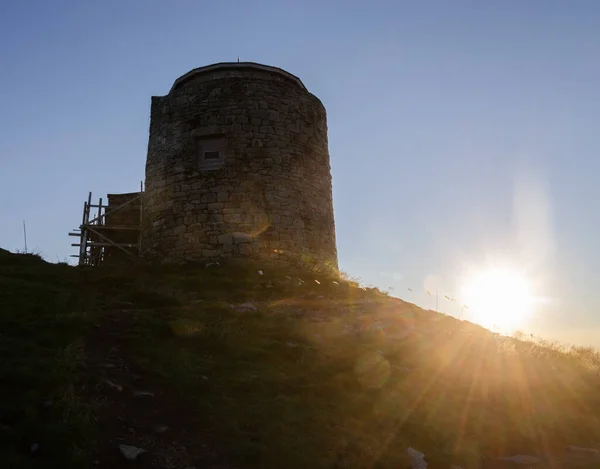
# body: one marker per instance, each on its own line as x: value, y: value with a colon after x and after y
x: 42, y: 321
x: 322, y: 375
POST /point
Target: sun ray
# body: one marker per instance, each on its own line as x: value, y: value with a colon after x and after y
x: 499, y: 297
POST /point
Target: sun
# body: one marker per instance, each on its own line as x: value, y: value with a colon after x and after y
x: 499, y: 298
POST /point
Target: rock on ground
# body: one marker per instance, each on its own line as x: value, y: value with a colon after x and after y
x: 131, y: 453
x: 417, y: 458
x: 522, y: 459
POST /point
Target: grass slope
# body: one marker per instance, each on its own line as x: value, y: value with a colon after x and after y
x: 323, y: 374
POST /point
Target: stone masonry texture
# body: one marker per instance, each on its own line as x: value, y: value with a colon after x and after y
x: 238, y: 167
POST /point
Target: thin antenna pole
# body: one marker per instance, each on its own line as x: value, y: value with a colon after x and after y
x: 25, y: 235
x: 141, y: 215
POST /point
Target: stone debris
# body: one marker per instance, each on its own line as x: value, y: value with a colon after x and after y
x: 212, y: 264
x: 114, y: 386
x: 143, y: 394
x: 260, y: 272
x: 577, y: 449
x: 131, y: 453
x: 417, y: 458
x: 246, y: 307
x: 317, y: 282
x: 159, y: 428
x: 579, y: 454
x: 125, y: 303
x: 521, y: 459
x: 35, y: 447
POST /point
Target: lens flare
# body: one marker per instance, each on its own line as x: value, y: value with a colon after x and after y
x: 499, y: 298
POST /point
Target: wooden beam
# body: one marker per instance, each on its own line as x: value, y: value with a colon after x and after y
x: 99, y: 209
x: 83, y: 240
x: 98, y: 205
x: 114, y: 209
x: 112, y: 243
x: 94, y: 243
x: 114, y: 227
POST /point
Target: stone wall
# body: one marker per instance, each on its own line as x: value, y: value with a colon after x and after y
x: 238, y: 166
x: 128, y: 215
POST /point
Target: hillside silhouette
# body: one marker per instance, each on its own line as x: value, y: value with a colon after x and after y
x: 255, y: 366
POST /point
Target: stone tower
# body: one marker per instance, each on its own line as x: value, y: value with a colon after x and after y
x: 238, y: 166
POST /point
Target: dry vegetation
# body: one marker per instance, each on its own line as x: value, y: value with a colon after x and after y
x: 323, y: 374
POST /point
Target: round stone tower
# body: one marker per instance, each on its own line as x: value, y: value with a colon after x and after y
x: 238, y: 166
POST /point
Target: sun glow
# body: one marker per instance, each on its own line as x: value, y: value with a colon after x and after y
x: 499, y: 298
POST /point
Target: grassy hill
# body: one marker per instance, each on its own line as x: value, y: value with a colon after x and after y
x: 225, y: 367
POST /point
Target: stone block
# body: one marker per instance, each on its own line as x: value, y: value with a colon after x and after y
x: 245, y: 249
x: 209, y: 197
x: 215, y: 217
x: 233, y: 218
x: 266, y: 129
x: 196, y: 227
x: 225, y: 239
x: 179, y: 230
x: 241, y: 238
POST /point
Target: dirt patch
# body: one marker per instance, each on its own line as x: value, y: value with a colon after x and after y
x: 135, y: 410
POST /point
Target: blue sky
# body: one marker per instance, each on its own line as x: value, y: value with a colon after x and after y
x: 461, y: 133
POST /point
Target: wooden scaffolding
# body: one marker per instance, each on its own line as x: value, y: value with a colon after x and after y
x: 114, y: 234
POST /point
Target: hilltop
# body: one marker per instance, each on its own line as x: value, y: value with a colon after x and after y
x: 249, y: 366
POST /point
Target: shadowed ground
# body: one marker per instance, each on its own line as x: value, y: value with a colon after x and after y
x: 224, y: 367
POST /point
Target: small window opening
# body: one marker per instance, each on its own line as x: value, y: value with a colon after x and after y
x: 212, y: 155
x: 212, y: 151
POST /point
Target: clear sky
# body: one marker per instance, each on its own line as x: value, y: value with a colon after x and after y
x: 461, y: 133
